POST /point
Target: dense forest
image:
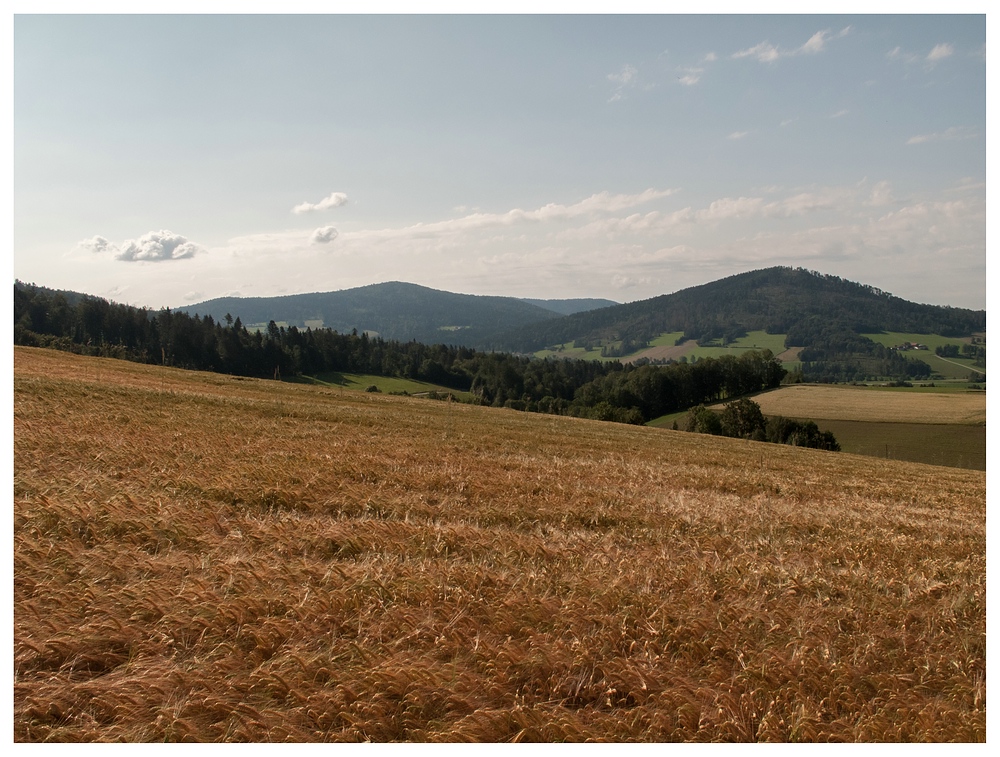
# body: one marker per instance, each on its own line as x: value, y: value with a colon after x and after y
x: 604, y: 391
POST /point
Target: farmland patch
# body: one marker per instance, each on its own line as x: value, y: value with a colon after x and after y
x: 848, y: 403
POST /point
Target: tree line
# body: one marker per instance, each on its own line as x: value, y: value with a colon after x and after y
x: 584, y: 388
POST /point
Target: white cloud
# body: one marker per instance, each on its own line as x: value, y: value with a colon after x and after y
x: 737, y: 135
x: 940, y: 52
x: 710, y: 58
x: 897, y: 53
x: 815, y: 43
x: 950, y: 134
x: 153, y: 247
x: 96, y: 244
x: 335, y: 200
x: 626, y: 77
x: 765, y: 52
x: 624, y: 80
x: 840, y: 113
x: 691, y: 76
x: 323, y: 235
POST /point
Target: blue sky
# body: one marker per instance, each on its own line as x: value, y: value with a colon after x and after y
x: 165, y: 160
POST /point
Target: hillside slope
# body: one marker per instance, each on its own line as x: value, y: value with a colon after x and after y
x: 800, y: 303
x: 200, y: 557
x: 394, y: 310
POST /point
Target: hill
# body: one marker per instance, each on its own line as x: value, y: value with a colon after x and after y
x: 200, y: 557
x: 808, y: 307
x: 829, y: 329
x: 393, y: 310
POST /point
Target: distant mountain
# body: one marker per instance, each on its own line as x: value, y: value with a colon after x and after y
x: 569, y: 307
x: 393, y: 310
x: 806, y: 305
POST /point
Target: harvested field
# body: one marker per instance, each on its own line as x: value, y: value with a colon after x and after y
x: 201, y: 558
x: 847, y: 403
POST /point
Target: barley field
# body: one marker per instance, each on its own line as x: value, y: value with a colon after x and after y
x: 850, y: 403
x: 204, y: 558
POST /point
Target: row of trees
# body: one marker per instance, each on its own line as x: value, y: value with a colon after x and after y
x: 606, y: 391
x: 974, y: 351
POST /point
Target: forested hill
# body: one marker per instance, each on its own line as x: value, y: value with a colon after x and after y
x: 797, y: 302
x: 568, y: 307
x: 393, y: 310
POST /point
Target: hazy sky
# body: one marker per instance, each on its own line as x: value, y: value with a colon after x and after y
x: 164, y: 160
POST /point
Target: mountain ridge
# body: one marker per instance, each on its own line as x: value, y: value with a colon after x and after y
x: 395, y: 310
x: 779, y: 300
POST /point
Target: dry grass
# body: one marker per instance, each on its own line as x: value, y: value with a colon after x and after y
x: 846, y: 403
x: 198, y: 558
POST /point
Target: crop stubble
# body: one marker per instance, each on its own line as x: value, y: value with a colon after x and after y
x: 202, y: 558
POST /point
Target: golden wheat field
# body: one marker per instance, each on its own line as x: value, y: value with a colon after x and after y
x: 847, y: 403
x: 203, y: 558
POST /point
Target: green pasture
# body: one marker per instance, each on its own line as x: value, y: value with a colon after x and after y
x: 667, y: 421
x: 254, y: 327
x: 360, y: 382
x: 892, y: 338
x: 754, y: 340
x: 952, y: 367
x: 568, y: 351
x: 666, y: 340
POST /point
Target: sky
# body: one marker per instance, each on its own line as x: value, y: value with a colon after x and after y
x: 165, y: 160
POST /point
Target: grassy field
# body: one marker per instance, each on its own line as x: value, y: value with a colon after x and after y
x: 665, y: 346
x: 202, y: 558
x: 387, y: 384
x: 952, y: 367
x: 576, y: 353
x: 949, y: 368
